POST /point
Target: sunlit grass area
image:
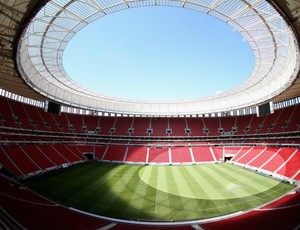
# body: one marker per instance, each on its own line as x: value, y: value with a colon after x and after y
x: 168, y: 193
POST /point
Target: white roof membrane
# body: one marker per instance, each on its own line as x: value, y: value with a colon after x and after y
x: 42, y: 44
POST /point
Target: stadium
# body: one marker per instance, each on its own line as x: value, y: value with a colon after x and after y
x: 72, y: 158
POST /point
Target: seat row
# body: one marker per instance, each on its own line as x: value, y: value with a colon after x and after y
x: 18, y: 115
x: 281, y: 162
x: 22, y: 160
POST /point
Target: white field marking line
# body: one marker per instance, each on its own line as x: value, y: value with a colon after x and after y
x: 298, y: 227
x: 277, y: 208
x: 155, y: 201
x: 197, y: 227
x: 109, y: 226
x: 156, y: 194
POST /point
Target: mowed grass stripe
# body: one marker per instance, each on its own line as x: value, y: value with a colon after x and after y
x: 215, y: 204
x: 138, y: 192
x: 255, y: 197
x: 231, y: 187
x: 255, y: 178
x: 254, y: 181
x: 204, y: 206
x: 207, y: 182
x: 185, y: 190
x: 59, y: 186
x: 162, y: 204
x: 196, y: 182
x: 118, y: 191
x: 90, y: 189
x: 176, y: 203
x: 235, y: 192
x: 93, y: 199
x: 148, y: 205
x: 104, y: 196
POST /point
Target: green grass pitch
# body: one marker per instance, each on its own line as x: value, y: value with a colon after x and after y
x: 162, y: 193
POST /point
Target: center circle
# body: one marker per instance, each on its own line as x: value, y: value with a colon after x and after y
x: 193, y: 183
x: 158, y: 53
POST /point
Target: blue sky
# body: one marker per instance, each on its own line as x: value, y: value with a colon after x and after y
x: 158, y: 53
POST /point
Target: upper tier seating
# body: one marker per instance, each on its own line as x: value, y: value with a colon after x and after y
x: 123, y: 126
x: 178, y: 127
x: 159, y: 126
x: 196, y: 126
x: 17, y: 115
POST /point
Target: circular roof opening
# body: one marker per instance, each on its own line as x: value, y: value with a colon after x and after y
x: 158, y: 53
x: 41, y: 48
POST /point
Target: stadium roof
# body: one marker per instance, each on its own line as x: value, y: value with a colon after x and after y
x: 39, y: 55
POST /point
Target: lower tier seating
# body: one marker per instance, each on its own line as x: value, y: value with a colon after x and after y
x: 34, y: 212
x: 22, y: 160
x: 284, y: 162
x: 282, y: 214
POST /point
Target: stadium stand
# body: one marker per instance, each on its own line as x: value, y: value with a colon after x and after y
x: 90, y: 123
x: 99, y: 151
x: 263, y: 157
x: 178, y: 127
x: 48, y: 141
x: 228, y: 124
x: 38, y: 157
x: 70, y: 156
x: 250, y: 155
x: 115, y: 153
x: 75, y: 122
x: 33, y: 117
x: 137, y: 154
x: 279, y: 215
x: 159, y: 126
x: 21, y: 159
x: 181, y: 155
x: 283, y: 161
x: 297, y: 176
x: 55, y: 156
x: 196, y: 126
x: 107, y: 125
x: 291, y: 165
x: 159, y: 155
x: 203, y: 154
x: 23, y: 205
x: 123, y: 124
x: 140, y: 126
x: 10, y: 165
x: 212, y: 126
x: 219, y: 153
